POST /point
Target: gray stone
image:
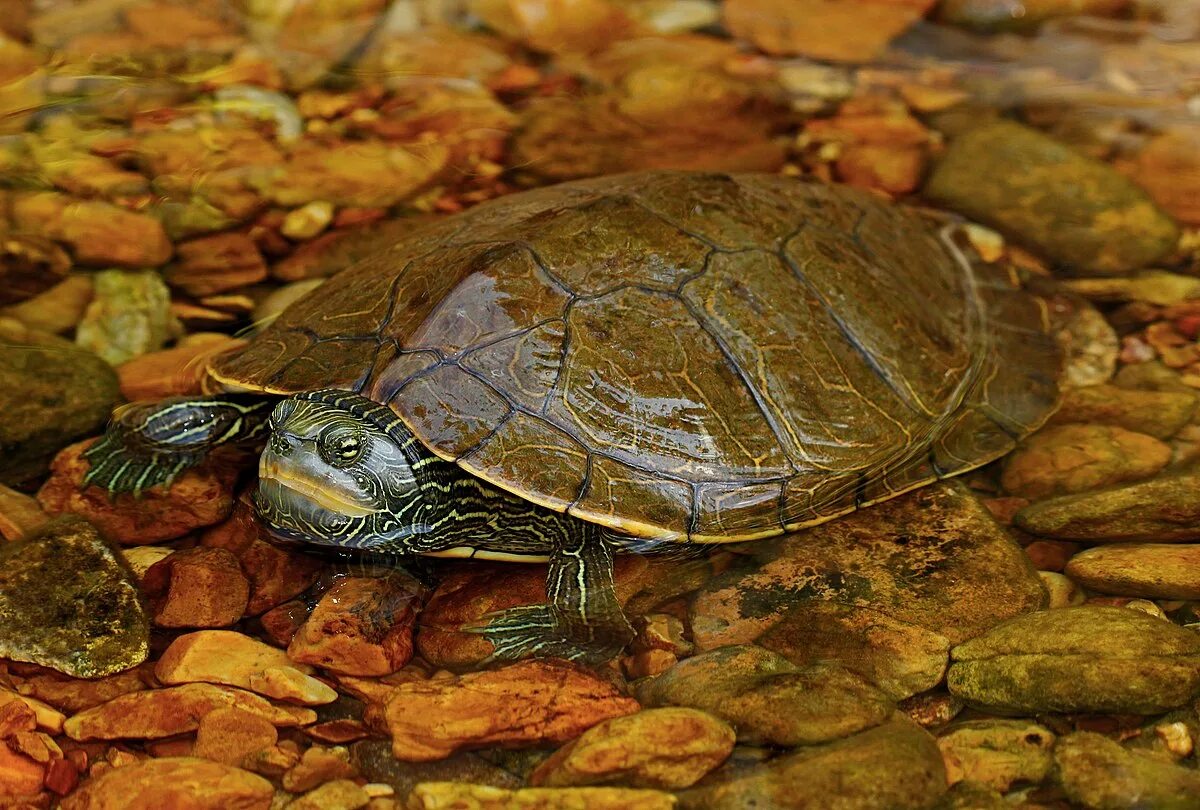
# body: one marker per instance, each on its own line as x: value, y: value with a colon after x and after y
x: 1099, y: 774
x: 69, y: 602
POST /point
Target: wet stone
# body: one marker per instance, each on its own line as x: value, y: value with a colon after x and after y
x: 1098, y: 773
x: 1099, y: 223
x: 996, y: 753
x: 197, y: 784
x: 76, y: 694
x: 852, y: 769
x: 68, y: 602
x: 1000, y: 15
x: 129, y: 315
x: 1161, y: 509
x: 29, y: 266
x: 1064, y: 592
x: 1152, y: 570
x: 1156, y: 413
x: 58, y: 308
x: 340, y: 794
x: 902, y: 659
x: 1157, y: 287
x: 439, y: 795
x: 1063, y: 459
x: 850, y: 31
x: 197, y: 587
x: 373, y: 759
x: 1078, y: 659
x: 768, y: 699
x: 97, y: 233
x: 666, y: 749
x: 1090, y: 346
x: 935, y: 558
x: 50, y: 394
x: 317, y: 766
x: 232, y: 735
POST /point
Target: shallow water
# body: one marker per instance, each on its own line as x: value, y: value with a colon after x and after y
x: 1020, y: 633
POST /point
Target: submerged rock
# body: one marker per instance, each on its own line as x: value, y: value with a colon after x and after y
x: 1156, y: 413
x: 1099, y: 774
x: 1078, y: 659
x: 1075, y: 210
x: 130, y: 315
x: 439, y: 795
x: 69, y: 602
x: 997, y: 753
x: 1152, y: 570
x: 191, y: 782
x: 1062, y: 459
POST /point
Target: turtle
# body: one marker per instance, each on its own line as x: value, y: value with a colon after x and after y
x: 652, y: 360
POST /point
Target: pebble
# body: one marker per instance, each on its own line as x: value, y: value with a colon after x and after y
x: 1100, y: 223
x: 373, y: 759
x: 361, y: 174
x: 1155, y: 413
x: 197, y: 587
x: 98, y: 234
x: 175, y: 372
x: 902, y: 659
x: 1097, y: 773
x: 1161, y: 509
x: 525, y: 704
x: 130, y: 315
x: 847, y: 31
x: 307, y: 221
x: 1063, y: 459
x: 1152, y: 570
x: 19, y: 775
x: 934, y: 557
x: 191, y: 782
x: 769, y: 700
x: 57, y: 309
x: 317, y: 766
x: 199, y: 497
x: 852, y: 769
x: 51, y: 394
x: 1157, y: 287
x: 234, y: 659
x: 666, y: 749
x: 20, y: 515
x: 361, y: 626
x: 446, y: 795
x: 230, y: 736
x: 1090, y: 346
x: 75, y: 694
x: 216, y: 264
x: 997, y: 753
x: 341, y: 794
x: 1063, y: 591
x: 157, y: 713
x: 68, y: 602
x: 1078, y: 659
x: 29, y: 266
x: 1001, y: 15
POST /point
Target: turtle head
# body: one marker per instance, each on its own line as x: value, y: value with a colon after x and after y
x: 340, y: 470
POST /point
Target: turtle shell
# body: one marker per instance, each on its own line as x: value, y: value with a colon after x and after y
x: 678, y: 355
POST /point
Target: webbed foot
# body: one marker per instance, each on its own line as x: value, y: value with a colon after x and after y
x: 118, y: 468
x: 540, y: 631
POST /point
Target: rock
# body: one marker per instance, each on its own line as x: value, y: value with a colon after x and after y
x: 142, y: 558
x: 1162, y: 509
x: 1151, y: 375
x: 931, y: 709
x: 1097, y: 773
x: 934, y: 558
x: 1063, y: 591
x: 1168, y: 168
x: 997, y: 753
x: 527, y: 703
x: 1099, y: 223
x: 849, y: 769
x: 857, y: 31
x: 234, y: 659
x: 68, y: 602
x: 1152, y: 570
x: 1078, y: 659
x: 158, y: 713
x: 19, y: 775
x: 1000, y: 15
x: 190, y: 782
x: 365, y: 174
x: 51, y: 395
x: 968, y: 795
x: 768, y: 699
x: 373, y: 759
x: 176, y: 372
x: 1090, y: 346
x: 197, y: 587
x: 216, y: 264
x: 1050, y: 555
x: 29, y: 266
x: 1156, y: 413
x: 74, y: 694
x: 1157, y: 287
x: 98, y: 233
x: 902, y: 659
x: 307, y: 221
x: 200, y: 497
x: 1062, y: 459
x: 231, y: 735
x: 317, y: 766
x: 361, y: 626
x: 439, y: 795
x: 130, y: 314
x: 20, y: 515
x: 666, y: 749
x: 341, y: 794
x: 59, y: 308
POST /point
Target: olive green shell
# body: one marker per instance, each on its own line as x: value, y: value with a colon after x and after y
x: 680, y: 355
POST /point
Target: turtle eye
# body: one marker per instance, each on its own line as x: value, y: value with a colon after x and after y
x: 341, y: 448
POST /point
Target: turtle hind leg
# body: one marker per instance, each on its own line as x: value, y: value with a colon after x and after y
x: 583, y: 620
x: 117, y: 468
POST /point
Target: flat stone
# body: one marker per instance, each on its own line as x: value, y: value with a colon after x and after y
x: 69, y: 602
x: 75, y: 694
x: 902, y: 659
x: 1078, y: 659
x: 1074, y: 210
x: 1161, y: 509
x: 666, y: 749
x: 373, y: 759
x: 1064, y: 459
x: 316, y: 766
x: 196, y: 587
x: 525, y: 704
x: 191, y: 782
x: 1158, y: 287
x: 1152, y: 570
x: 1156, y: 413
x: 230, y: 735
x: 769, y: 700
x: 1098, y: 773
x: 837, y: 30
x: 997, y: 753
x: 896, y: 765
x: 51, y: 395
x: 992, y: 16
x: 97, y: 233
x: 340, y: 794
x: 439, y: 795
x: 57, y: 309
x: 934, y: 557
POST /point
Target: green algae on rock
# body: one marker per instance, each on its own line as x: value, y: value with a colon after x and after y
x: 69, y: 602
x: 1161, y: 509
x: 1072, y: 209
x: 1098, y: 773
x: 934, y: 557
x: 129, y: 316
x: 1078, y: 659
x: 1152, y: 570
x: 895, y: 765
x: 51, y: 394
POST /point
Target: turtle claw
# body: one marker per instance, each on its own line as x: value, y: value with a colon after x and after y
x: 537, y: 631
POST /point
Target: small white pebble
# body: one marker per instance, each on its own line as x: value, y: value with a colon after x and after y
x: 1146, y: 606
x: 308, y: 220
x: 1063, y: 591
x: 1177, y: 738
x: 987, y: 243
x: 377, y: 790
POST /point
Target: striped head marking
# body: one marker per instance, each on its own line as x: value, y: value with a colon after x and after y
x: 341, y: 470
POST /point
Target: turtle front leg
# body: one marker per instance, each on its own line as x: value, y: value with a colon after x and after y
x: 150, y: 444
x: 583, y: 620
